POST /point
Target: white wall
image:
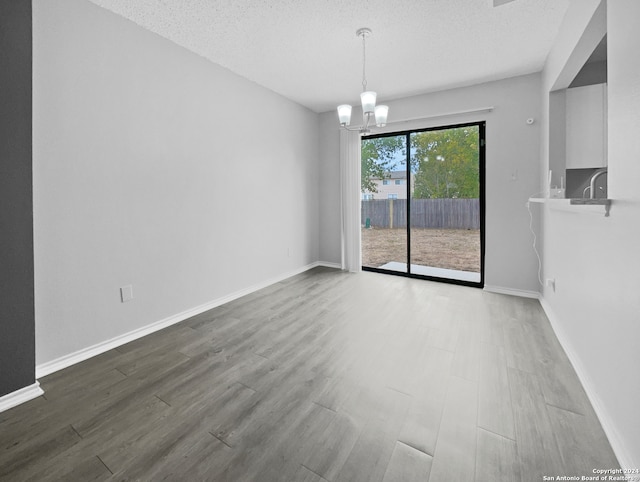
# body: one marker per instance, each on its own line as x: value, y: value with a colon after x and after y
x: 151, y: 168
x: 595, y: 309
x: 512, y: 147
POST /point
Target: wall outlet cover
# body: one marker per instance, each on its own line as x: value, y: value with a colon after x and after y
x: 551, y: 283
x: 126, y: 293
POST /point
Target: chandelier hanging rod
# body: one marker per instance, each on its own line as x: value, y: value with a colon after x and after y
x: 367, y: 98
x: 363, y: 32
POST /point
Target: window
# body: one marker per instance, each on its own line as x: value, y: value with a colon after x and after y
x: 385, y: 182
x: 398, y: 182
x: 367, y: 197
x: 392, y: 196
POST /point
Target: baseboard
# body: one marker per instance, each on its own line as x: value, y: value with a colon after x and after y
x: 65, y: 361
x: 513, y: 292
x: 20, y: 396
x: 326, y: 264
x: 623, y: 456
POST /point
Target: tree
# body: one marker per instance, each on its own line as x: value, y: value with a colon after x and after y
x: 446, y: 163
x: 378, y: 159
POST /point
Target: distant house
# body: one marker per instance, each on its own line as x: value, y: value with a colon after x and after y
x: 393, y: 186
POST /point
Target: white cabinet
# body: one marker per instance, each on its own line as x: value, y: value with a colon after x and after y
x: 587, y: 127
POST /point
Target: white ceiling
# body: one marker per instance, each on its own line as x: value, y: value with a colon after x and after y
x: 307, y: 50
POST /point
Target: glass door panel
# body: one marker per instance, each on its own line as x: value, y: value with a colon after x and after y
x: 445, y: 203
x: 384, y: 203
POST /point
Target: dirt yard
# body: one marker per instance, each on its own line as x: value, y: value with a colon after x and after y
x: 457, y: 249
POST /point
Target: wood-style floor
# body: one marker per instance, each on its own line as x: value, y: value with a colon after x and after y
x: 327, y: 376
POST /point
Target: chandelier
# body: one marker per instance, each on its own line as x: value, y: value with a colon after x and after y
x: 370, y: 110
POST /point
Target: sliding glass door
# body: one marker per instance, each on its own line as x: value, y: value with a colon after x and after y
x: 423, y: 203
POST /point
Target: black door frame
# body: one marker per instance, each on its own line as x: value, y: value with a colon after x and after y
x: 482, y: 154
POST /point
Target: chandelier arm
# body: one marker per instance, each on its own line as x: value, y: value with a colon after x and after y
x: 367, y: 121
x: 363, y: 128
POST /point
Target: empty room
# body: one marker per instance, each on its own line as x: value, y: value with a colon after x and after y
x: 319, y: 241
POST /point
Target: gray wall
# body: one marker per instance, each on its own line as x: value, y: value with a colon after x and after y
x: 16, y: 219
x: 157, y: 168
x: 512, y: 170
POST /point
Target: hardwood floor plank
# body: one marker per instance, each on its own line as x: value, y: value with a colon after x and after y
x: 561, y: 386
x: 582, y: 442
x: 101, y: 382
x: 255, y: 424
x: 33, y: 453
x: 158, y: 341
x: 495, y: 412
x: 305, y: 475
x: 537, y: 447
x: 444, y: 339
x: 81, y: 373
x: 241, y: 339
x: 291, y: 442
x: 19, y: 423
x: 422, y: 423
x: 116, y: 436
x: 499, y: 309
x: 336, y: 393
x: 124, y: 412
x: 167, y: 433
x: 496, y: 458
x: 405, y: 365
x: 298, y: 382
x: 154, y: 362
x: 174, y: 455
x: 215, y: 335
x: 407, y: 465
x: 333, y: 446
x: 234, y: 407
x: 466, y: 361
x: 42, y: 414
x: 252, y: 462
x: 372, y: 451
x: 21, y: 413
x: 518, y: 348
x: 203, y: 373
x: 454, y: 457
x: 438, y: 313
x: 90, y: 469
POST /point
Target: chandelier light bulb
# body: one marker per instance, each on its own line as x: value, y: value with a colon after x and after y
x: 381, y: 115
x: 368, y: 100
x: 344, y: 114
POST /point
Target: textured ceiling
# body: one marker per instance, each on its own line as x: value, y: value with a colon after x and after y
x: 307, y: 50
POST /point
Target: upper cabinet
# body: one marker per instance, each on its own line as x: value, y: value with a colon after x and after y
x: 586, y: 127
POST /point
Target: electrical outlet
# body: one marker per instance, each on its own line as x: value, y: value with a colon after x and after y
x: 551, y: 283
x: 126, y: 293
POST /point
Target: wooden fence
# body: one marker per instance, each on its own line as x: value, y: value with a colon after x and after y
x: 425, y: 213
